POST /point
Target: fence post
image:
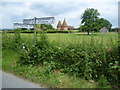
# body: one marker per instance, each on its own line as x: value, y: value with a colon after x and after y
x: 34, y: 30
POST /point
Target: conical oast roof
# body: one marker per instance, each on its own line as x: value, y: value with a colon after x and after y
x: 59, y: 24
x: 64, y: 23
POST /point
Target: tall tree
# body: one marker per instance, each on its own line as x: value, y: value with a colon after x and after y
x: 89, y: 18
x: 104, y: 23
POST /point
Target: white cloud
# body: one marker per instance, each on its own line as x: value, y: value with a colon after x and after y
x: 72, y: 17
x: 107, y: 10
x: 13, y: 12
x: 72, y: 11
x: 59, y: 0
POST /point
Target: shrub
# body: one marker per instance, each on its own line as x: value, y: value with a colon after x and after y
x: 34, y: 54
x: 29, y: 56
x: 88, y: 61
x: 23, y: 28
x: 103, y: 82
x: 13, y: 42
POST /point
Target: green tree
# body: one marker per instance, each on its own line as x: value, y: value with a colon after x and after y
x: 23, y: 28
x: 104, y: 23
x: 44, y: 26
x: 82, y: 28
x: 38, y: 26
x: 89, y: 18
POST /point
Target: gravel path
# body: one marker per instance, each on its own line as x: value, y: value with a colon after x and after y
x: 11, y: 81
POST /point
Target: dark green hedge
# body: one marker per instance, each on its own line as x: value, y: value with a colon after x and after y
x: 47, y: 31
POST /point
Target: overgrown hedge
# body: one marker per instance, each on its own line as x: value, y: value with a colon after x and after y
x: 86, y: 60
x: 13, y: 42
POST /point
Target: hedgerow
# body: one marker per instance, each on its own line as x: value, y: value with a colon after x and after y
x: 13, y: 42
x: 85, y: 60
x: 47, y: 31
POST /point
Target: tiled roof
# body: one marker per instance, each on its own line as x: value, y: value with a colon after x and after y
x: 64, y: 23
x: 59, y: 24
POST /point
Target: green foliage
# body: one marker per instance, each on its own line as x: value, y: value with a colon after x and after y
x: 91, y: 21
x: 23, y: 28
x: 103, y: 82
x: 12, y: 41
x: 44, y: 26
x: 29, y: 56
x: 42, y: 40
x: 82, y: 28
x: 89, y: 17
x: 103, y: 23
x: 9, y: 58
x: 45, y: 30
x: 39, y: 74
x: 33, y: 54
x: 87, y: 60
x: 114, y: 30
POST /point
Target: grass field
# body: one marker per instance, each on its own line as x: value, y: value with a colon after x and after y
x: 79, y: 38
x: 56, y: 78
x: 73, y: 38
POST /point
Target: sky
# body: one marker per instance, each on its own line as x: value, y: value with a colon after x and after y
x: 15, y: 11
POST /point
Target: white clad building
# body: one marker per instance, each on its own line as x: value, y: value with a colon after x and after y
x: 29, y: 23
x: 45, y: 20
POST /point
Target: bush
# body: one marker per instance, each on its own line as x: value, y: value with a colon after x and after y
x: 103, y: 82
x: 29, y: 56
x: 13, y: 42
x: 34, y: 54
x: 89, y: 61
x: 44, y: 26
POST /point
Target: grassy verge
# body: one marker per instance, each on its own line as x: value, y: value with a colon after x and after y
x: 9, y: 58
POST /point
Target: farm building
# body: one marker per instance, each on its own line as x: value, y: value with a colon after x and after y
x: 64, y: 26
x: 104, y: 30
